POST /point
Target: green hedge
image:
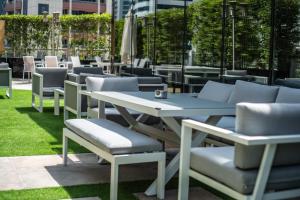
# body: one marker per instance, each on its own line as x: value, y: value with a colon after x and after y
x: 24, y: 33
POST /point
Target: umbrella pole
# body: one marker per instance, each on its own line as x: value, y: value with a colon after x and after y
x: 131, y: 36
x: 272, y: 42
x: 112, y: 56
x: 224, y: 15
x: 183, y: 45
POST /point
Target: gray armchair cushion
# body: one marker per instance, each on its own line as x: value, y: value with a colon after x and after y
x: 53, y: 77
x: 149, y: 80
x: 112, y: 137
x: 253, y: 93
x: 236, y: 72
x: 112, y: 84
x: 88, y: 70
x: 288, y: 95
x: 216, y: 91
x: 4, y: 65
x: 128, y: 84
x: 83, y: 76
x: 218, y: 164
x: 263, y: 120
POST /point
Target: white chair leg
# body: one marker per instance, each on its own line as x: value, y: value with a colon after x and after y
x: 65, y: 150
x: 33, y: 101
x: 41, y: 105
x: 161, y: 178
x: 66, y: 114
x: 114, y: 180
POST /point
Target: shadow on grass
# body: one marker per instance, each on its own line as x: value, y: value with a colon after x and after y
x: 52, y: 125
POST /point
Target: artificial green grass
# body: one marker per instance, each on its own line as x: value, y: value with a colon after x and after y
x: 25, y: 132
x: 126, y: 191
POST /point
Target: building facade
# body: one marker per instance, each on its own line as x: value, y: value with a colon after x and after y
x: 142, y: 7
x: 37, y: 7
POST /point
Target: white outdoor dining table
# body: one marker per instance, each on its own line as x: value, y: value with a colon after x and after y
x: 176, y: 105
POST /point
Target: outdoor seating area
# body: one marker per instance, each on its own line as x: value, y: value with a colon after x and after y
x: 146, y: 100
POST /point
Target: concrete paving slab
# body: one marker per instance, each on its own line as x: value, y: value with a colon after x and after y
x: 194, y: 194
x: 20, y: 84
x: 27, y: 172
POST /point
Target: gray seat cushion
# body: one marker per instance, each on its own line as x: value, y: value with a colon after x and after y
x: 253, y: 93
x: 112, y: 137
x: 265, y: 120
x: 288, y: 95
x: 216, y: 91
x: 218, y: 164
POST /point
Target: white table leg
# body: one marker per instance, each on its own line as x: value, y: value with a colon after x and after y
x: 173, y: 166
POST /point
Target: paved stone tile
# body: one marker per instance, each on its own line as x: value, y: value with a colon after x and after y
x: 195, y: 194
x: 28, y: 172
x: 19, y: 84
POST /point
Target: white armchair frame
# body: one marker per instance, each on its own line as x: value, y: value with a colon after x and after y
x: 270, y: 143
x: 78, y: 87
x: 9, y: 86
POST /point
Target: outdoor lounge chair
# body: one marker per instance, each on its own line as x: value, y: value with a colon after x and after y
x: 29, y: 66
x: 263, y: 164
x: 52, y: 62
x: 74, y: 101
x: 6, y: 78
x: 116, y: 144
x: 76, y: 62
x: 44, y: 82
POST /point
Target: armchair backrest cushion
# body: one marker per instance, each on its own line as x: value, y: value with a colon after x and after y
x: 4, y: 65
x: 51, y: 61
x: 29, y: 63
x: 149, y: 80
x: 143, y: 63
x: 88, y: 70
x: 53, y: 77
x: 291, y: 83
x: 136, y: 62
x: 128, y: 84
x: 216, y: 91
x: 288, y: 95
x: 237, y: 72
x: 266, y: 120
x: 253, y: 93
x: 83, y: 76
x: 75, y: 61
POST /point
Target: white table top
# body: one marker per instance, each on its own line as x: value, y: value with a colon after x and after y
x: 175, y: 105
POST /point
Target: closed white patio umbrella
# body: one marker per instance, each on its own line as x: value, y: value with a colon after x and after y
x: 129, y: 43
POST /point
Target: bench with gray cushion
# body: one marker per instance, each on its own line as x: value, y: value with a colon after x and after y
x: 116, y: 144
x: 264, y: 163
x: 126, y: 84
x: 74, y: 101
x: 44, y: 82
x: 6, y: 78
